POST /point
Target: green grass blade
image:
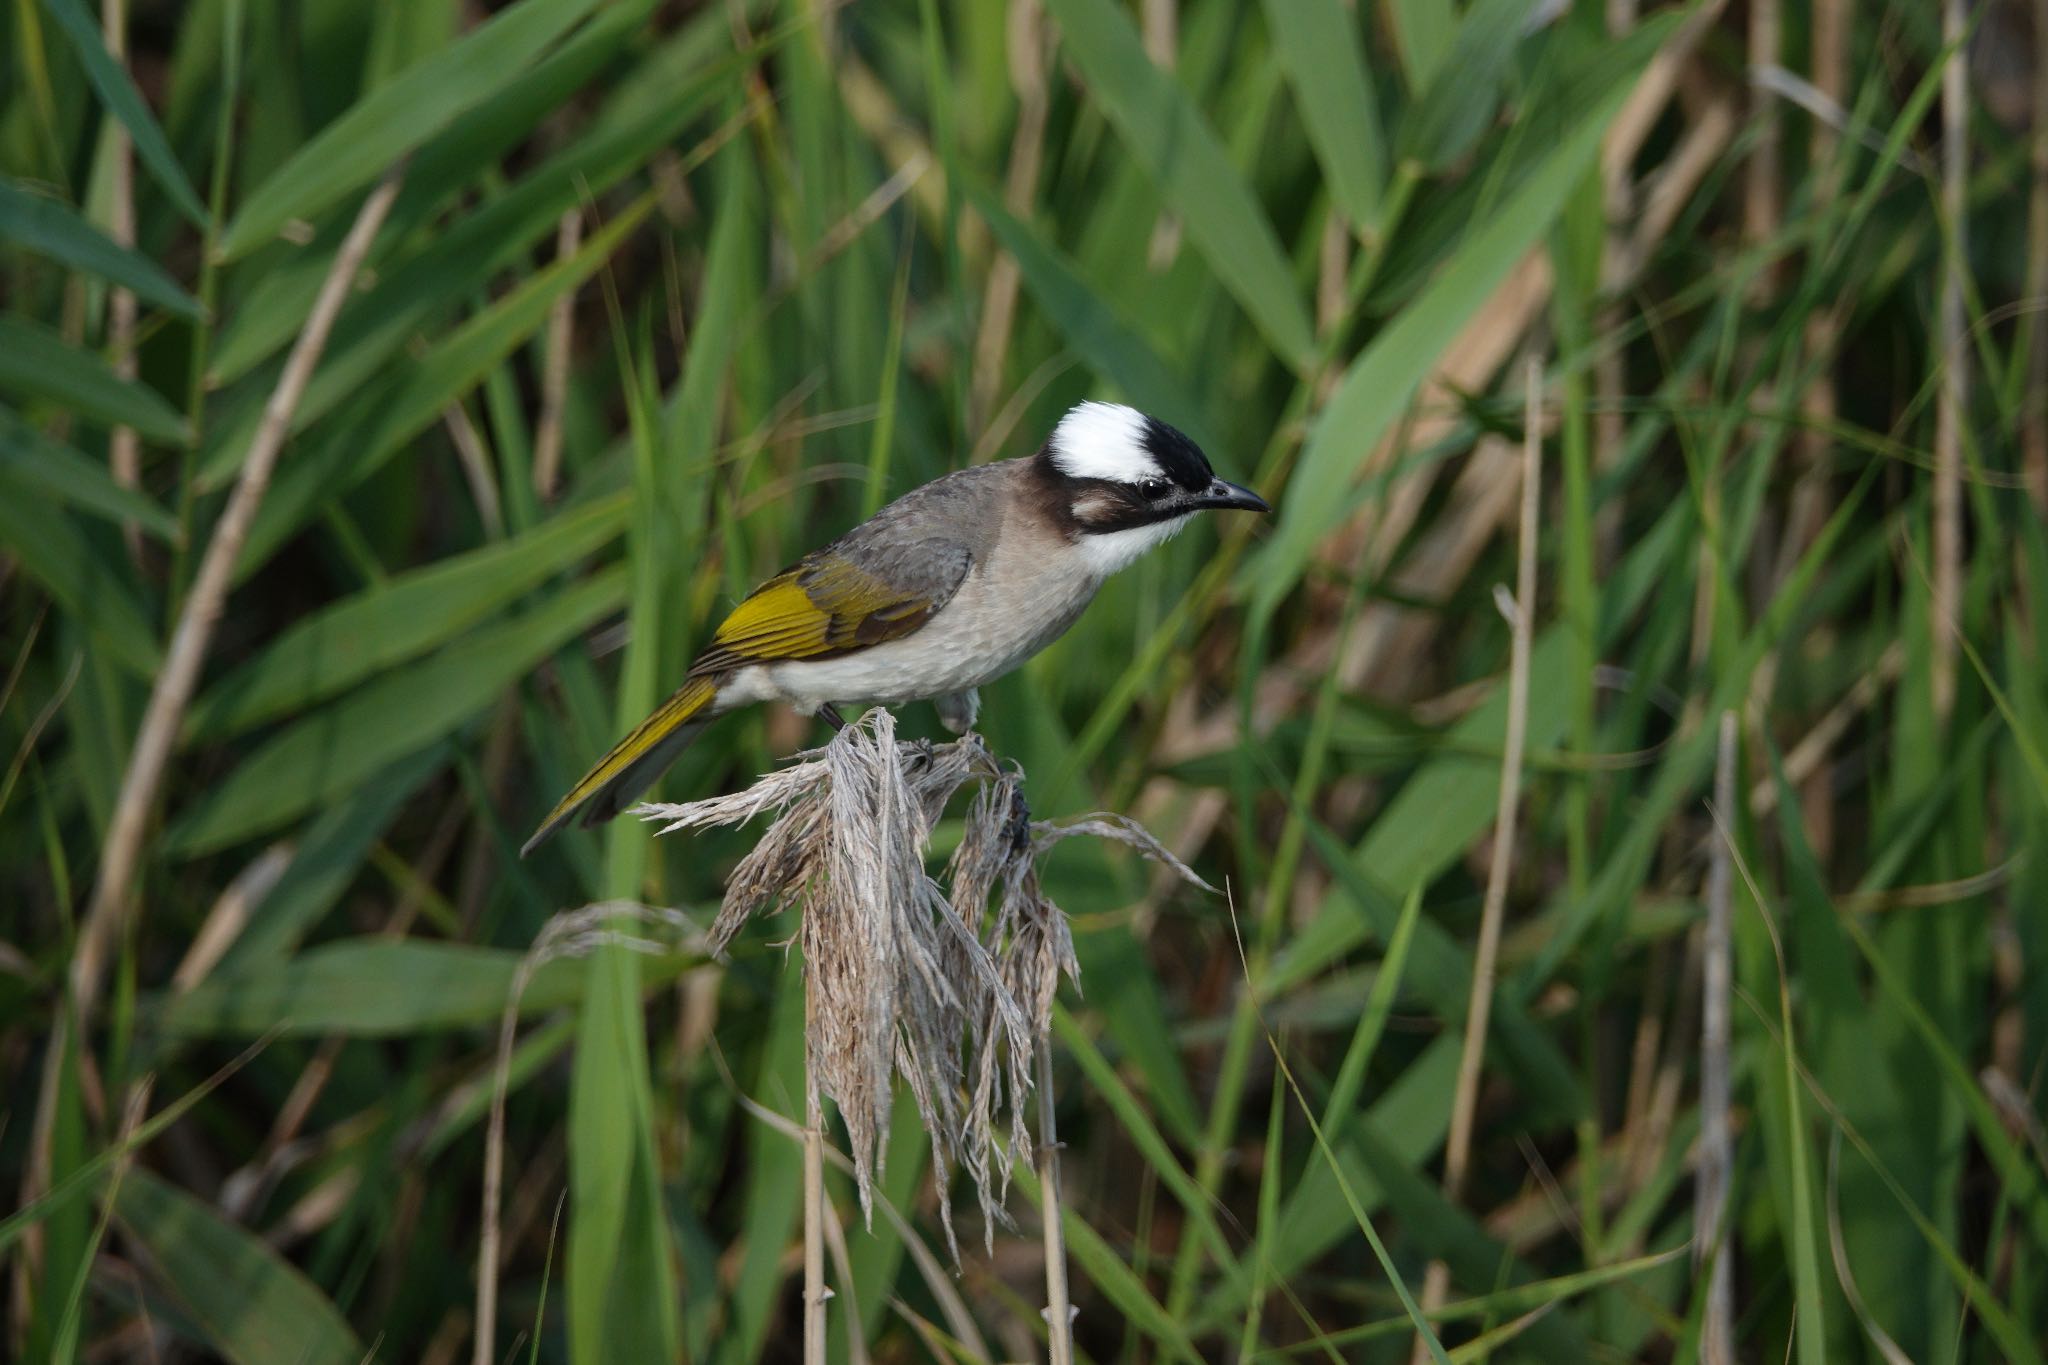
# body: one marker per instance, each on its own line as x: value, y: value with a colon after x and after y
x: 460, y: 257
x: 1377, y: 387
x: 774, y: 1179
x: 1318, y: 44
x: 1424, y: 1333
x: 882, y: 441
x: 35, y: 363
x: 619, y: 1271
x: 34, y: 460
x: 358, y: 638
x: 79, y: 574
x: 328, y: 854
x: 1423, y: 31
x: 1460, y: 98
x: 377, y: 988
x: 66, y: 1228
x: 118, y: 93
x: 1439, y: 811
x: 1372, y: 1020
x: 1107, y: 344
x: 1151, y: 1144
x: 253, y: 1306
x: 363, y: 436
x: 2017, y: 1172
x: 56, y: 230
x: 1526, y: 1298
x: 1178, y: 150
x: 398, y: 116
x: 326, y: 755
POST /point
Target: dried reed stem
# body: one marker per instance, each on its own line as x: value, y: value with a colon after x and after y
x: 1026, y: 45
x: 1762, y: 198
x: 1059, y: 1314
x: 1946, y: 617
x: 476, y: 468
x: 1717, y: 1150
x: 124, y: 447
x: 1809, y: 503
x: 814, y: 1223
x: 554, y: 380
x: 1479, y: 1008
x: 494, y: 1177
x: 180, y: 673
x: 1159, y: 29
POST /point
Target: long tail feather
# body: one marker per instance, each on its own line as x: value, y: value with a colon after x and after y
x: 634, y: 762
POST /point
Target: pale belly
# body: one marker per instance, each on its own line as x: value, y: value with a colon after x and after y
x: 968, y: 643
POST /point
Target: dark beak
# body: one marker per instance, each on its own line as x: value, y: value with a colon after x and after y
x: 1223, y: 496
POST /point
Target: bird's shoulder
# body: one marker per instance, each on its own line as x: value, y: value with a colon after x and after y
x: 926, y: 540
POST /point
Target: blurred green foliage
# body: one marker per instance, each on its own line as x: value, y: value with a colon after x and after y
x: 672, y: 292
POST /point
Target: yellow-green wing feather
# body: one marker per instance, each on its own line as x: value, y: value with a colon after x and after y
x: 826, y: 605
x: 647, y: 737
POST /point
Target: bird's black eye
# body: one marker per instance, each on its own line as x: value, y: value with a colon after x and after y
x: 1153, y: 489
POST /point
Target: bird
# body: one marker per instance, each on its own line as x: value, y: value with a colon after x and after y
x: 939, y: 593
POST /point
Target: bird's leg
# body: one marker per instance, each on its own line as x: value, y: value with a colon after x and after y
x: 832, y: 717
x: 1019, y: 823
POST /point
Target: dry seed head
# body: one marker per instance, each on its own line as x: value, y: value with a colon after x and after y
x: 951, y: 988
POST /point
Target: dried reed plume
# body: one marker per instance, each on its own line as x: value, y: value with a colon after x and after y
x: 950, y: 987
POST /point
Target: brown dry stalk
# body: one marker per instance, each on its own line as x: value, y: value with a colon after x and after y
x: 230, y: 914
x: 1762, y: 194
x: 815, y: 1293
x: 554, y: 381
x: 1159, y: 30
x: 476, y: 468
x: 1716, y: 1142
x: 842, y: 1266
x: 203, y: 607
x: 1809, y: 503
x: 1028, y: 44
x: 1479, y: 1008
x: 1059, y: 1313
x: 124, y: 447
x: 875, y: 110
x: 1946, y: 617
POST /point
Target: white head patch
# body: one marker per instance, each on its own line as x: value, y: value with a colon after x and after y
x: 1103, y: 441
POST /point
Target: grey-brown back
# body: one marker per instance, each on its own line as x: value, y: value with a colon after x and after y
x: 922, y: 543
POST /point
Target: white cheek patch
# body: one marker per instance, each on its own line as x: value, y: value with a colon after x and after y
x: 1103, y: 441
x: 1107, y: 552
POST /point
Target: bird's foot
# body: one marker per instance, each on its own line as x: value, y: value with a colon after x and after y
x: 1019, y: 824
x: 832, y: 717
